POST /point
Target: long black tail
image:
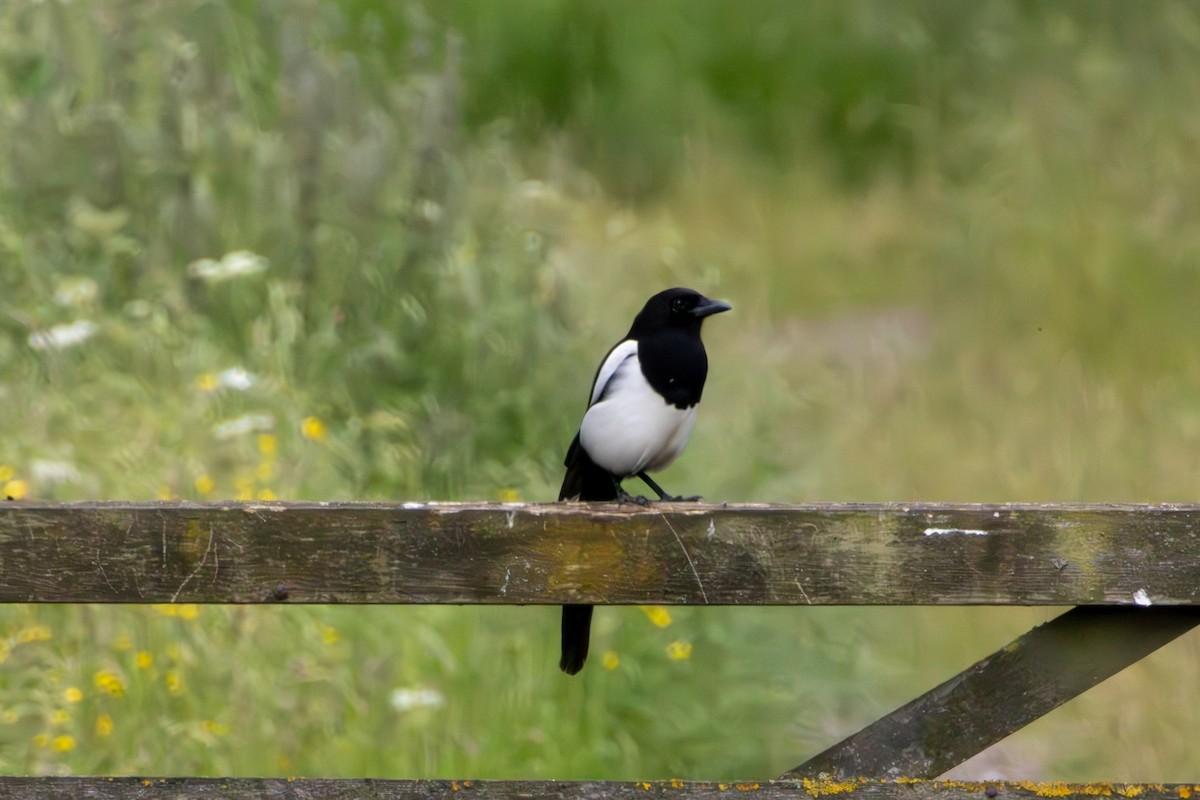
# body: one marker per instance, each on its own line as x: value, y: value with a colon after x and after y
x: 585, y: 481
x: 576, y: 633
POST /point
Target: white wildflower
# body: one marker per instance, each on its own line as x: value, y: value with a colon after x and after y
x: 239, y: 426
x: 45, y: 471
x: 232, y: 265
x: 408, y: 699
x: 236, y: 378
x: 61, y: 337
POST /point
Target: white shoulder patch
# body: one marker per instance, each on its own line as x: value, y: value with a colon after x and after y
x: 616, y: 357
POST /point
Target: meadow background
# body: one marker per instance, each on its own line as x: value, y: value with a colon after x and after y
x: 359, y: 250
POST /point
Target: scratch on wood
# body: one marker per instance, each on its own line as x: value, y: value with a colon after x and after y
x: 687, y: 555
x: 216, y: 559
x: 199, y: 566
x: 803, y: 593
x: 100, y: 566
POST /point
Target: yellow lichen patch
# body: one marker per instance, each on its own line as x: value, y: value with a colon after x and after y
x: 746, y: 787
x: 821, y: 787
x: 645, y: 786
x: 676, y: 783
x: 1185, y: 792
x: 722, y: 786
x: 1058, y: 789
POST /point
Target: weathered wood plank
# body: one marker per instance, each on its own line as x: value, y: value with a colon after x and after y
x: 999, y: 695
x: 343, y: 789
x: 555, y: 553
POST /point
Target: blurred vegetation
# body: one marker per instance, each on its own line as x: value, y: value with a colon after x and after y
x: 356, y: 250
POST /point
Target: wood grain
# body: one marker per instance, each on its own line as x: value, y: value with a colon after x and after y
x: 344, y: 789
x: 1000, y: 694
x: 606, y: 554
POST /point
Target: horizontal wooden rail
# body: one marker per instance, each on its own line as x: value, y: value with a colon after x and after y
x: 343, y: 789
x: 607, y: 554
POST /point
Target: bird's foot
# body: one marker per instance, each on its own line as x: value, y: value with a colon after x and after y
x: 671, y: 498
x: 625, y: 497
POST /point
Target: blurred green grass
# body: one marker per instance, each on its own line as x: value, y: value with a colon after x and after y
x: 960, y: 240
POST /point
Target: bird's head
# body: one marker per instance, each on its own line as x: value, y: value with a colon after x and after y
x: 676, y: 308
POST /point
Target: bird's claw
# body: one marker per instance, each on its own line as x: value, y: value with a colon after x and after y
x: 680, y: 499
x: 636, y: 499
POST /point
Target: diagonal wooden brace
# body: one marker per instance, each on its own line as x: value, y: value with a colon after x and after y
x: 1002, y: 693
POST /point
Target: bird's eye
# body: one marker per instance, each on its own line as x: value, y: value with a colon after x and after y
x: 679, y: 304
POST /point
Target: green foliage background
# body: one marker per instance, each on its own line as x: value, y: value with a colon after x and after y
x: 961, y: 242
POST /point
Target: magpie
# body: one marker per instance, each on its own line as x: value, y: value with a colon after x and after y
x: 641, y: 412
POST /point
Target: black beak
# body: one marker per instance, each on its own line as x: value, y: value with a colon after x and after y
x: 709, y: 307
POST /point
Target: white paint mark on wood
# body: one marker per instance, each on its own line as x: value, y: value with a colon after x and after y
x: 949, y: 531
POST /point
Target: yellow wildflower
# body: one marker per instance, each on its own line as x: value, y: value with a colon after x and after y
x: 679, y: 651
x: 164, y: 493
x: 268, y: 445
x: 41, y: 740
x: 313, y: 428
x: 33, y: 633
x: 181, y: 610
x: 72, y: 694
x: 205, y: 484
x: 16, y: 489
x: 207, y: 382
x: 104, y: 725
x: 174, y: 682
x: 658, y: 615
x: 109, y: 681
x: 144, y: 659
x: 266, y: 494
x: 610, y: 660
x: 60, y: 716
x: 214, y: 727
x: 64, y: 743
x: 330, y: 635
x: 7, y: 473
x: 509, y: 495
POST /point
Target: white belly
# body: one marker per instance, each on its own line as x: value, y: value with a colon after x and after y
x: 633, y: 428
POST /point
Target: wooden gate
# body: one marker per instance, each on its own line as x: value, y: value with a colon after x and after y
x: 1132, y: 573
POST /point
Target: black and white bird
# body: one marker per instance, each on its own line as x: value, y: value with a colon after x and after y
x: 640, y: 415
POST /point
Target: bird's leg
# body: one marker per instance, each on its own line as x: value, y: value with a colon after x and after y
x: 661, y: 494
x: 625, y: 497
